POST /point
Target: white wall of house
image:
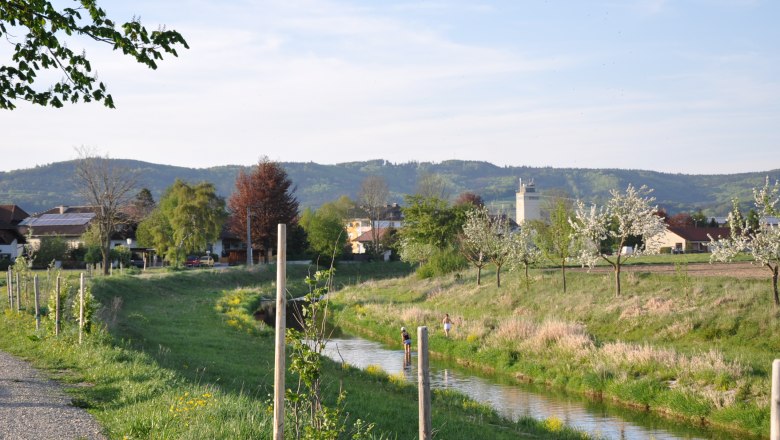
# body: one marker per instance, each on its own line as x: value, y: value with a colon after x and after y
x: 14, y: 249
x: 217, y: 248
x: 672, y: 240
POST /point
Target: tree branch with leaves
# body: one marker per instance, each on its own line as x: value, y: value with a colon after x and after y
x: 47, y: 30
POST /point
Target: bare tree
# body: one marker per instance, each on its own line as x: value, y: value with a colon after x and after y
x: 431, y: 185
x: 107, y: 188
x: 373, y: 199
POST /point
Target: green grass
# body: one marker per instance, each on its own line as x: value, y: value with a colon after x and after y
x: 693, y: 348
x: 169, y: 363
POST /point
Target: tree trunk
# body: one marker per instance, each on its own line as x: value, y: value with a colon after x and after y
x: 498, y: 276
x: 563, y: 274
x: 617, y: 280
x: 774, y: 283
x: 106, y: 258
x: 479, y: 275
x: 527, y: 280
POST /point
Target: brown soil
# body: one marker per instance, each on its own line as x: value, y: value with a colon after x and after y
x: 737, y: 270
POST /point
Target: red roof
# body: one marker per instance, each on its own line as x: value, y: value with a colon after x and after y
x: 12, y: 214
x: 689, y: 233
x: 368, y: 236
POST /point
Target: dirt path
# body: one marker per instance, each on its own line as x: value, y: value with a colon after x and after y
x: 737, y: 270
x: 33, y: 407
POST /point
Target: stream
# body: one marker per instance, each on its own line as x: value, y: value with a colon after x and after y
x: 517, y: 400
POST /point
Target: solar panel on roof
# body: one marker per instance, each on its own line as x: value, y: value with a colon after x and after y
x: 73, y: 219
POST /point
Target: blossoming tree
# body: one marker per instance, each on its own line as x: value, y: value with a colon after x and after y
x: 625, y: 216
x: 761, y: 240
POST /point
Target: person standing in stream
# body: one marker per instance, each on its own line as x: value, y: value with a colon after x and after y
x: 407, y: 341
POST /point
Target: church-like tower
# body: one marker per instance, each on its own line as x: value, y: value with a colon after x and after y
x: 527, y: 206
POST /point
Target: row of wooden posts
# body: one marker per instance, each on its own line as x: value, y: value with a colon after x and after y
x: 15, y: 300
x: 424, y: 384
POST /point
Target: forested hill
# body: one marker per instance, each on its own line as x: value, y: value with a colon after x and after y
x: 51, y: 185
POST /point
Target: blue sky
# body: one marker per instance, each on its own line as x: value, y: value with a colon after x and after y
x: 677, y: 86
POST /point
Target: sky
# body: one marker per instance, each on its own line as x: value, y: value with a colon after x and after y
x: 675, y: 86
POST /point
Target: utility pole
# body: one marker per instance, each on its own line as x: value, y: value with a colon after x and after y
x: 249, y: 256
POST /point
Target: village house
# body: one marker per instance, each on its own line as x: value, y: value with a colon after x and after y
x: 359, y: 227
x: 68, y: 223
x: 11, y: 241
x: 691, y: 239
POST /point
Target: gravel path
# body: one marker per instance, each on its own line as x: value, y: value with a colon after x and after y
x: 33, y: 407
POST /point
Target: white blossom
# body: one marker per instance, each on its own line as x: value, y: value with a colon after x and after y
x: 629, y: 214
x: 762, y: 242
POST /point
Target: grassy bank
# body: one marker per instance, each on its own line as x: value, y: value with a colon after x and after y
x: 175, y: 357
x: 698, y: 349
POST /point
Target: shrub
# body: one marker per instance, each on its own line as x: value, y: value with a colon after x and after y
x: 442, y: 262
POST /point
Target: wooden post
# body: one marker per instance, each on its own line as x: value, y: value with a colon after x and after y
x: 81, y: 307
x: 423, y: 384
x: 281, y: 311
x: 37, y: 308
x: 18, y: 294
x: 9, y: 277
x: 774, y: 419
x: 57, y: 308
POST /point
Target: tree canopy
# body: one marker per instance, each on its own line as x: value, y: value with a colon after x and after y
x: 266, y: 193
x: 325, y: 230
x: 187, y: 219
x: 430, y: 221
x: 47, y: 34
x: 625, y: 217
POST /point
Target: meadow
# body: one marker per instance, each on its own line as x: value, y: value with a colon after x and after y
x: 177, y: 355
x: 694, y: 348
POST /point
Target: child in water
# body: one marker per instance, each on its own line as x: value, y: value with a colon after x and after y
x: 407, y: 340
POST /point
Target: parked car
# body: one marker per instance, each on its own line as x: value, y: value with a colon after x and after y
x: 207, y: 260
x: 192, y: 261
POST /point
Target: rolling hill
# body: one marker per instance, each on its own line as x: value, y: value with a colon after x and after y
x: 46, y: 186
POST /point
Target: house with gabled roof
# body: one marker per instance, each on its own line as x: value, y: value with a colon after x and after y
x: 359, y: 226
x: 68, y: 223
x: 691, y: 239
x: 11, y: 240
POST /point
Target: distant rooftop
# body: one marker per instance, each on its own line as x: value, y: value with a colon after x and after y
x: 72, y: 219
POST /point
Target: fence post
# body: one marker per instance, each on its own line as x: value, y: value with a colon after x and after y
x: 281, y: 312
x: 423, y: 384
x: 37, y: 307
x: 81, y: 307
x: 18, y: 294
x: 57, y: 308
x: 10, y: 285
x: 774, y: 424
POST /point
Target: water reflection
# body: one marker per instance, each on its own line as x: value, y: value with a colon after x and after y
x: 514, y: 401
